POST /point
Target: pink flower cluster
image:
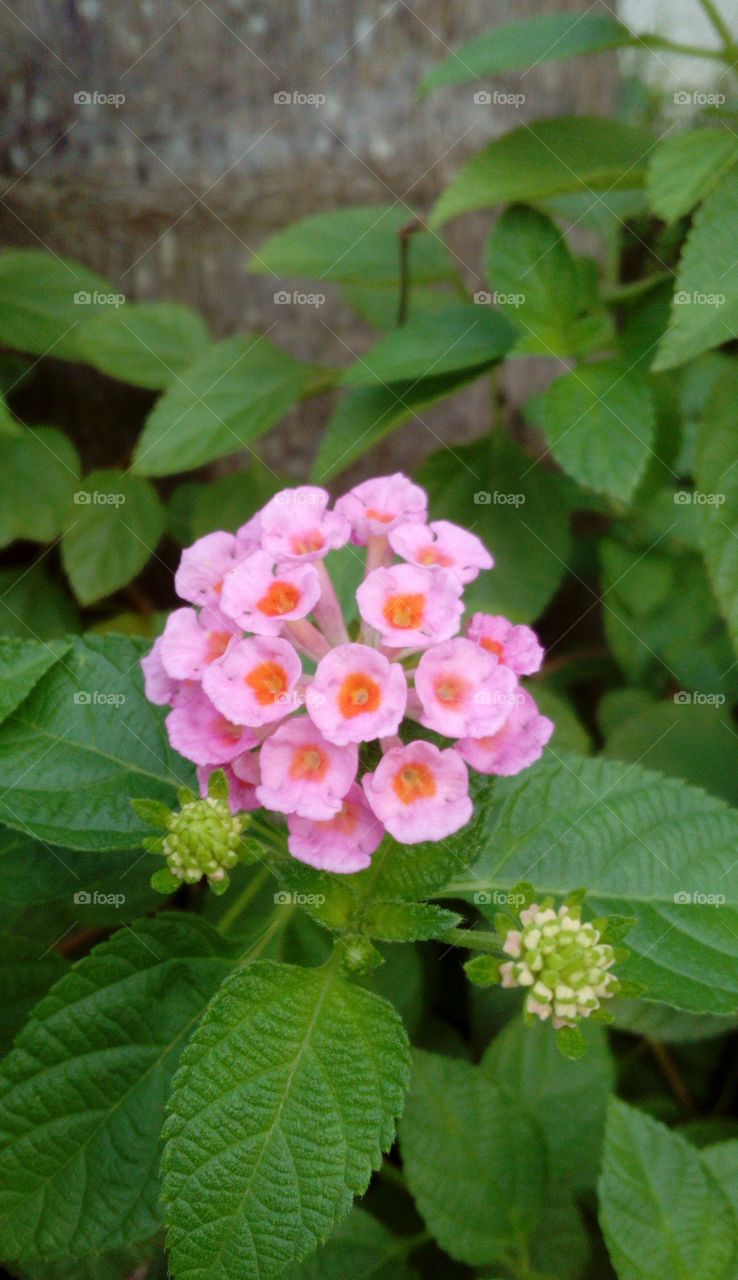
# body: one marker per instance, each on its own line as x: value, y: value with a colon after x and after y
x: 265, y: 681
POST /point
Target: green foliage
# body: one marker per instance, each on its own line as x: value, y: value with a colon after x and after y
x: 112, y: 535
x: 717, y: 481
x: 684, y: 168
x: 22, y: 664
x: 38, y: 477
x: 149, y: 345
x: 462, y: 337
x: 45, y: 299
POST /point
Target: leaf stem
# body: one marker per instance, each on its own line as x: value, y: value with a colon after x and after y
x: 404, y: 234
x: 689, y: 50
x: 718, y: 22
x: 673, y: 1078
x: 474, y: 939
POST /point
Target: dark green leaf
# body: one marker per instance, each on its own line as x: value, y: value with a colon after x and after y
x: 117, y: 523
x: 461, y: 337
x: 37, y: 480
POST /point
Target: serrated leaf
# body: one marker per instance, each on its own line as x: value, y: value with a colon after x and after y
x: 86, y: 1084
x: 44, y: 299
x: 222, y: 402
x: 286, y: 1098
x: 37, y: 480
x: 661, y: 1210
x: 547, y: 158
x: 22, y: 664
x: 474, y: 1161
x: 117, y: 523
x: 460, y: 337
x: 26, y: 974
x: 361, y: 1248
x: 149, y: 344
x: 407, y: 921
x: 640, y: 842
x: 683, y: 169
x: 513, y: 45
x: 82, y: 742
x: 355, y: 246
x: 716, y: 477
x: 704, y: 312
x: 599, y: 422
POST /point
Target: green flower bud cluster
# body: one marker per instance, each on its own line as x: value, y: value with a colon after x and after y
x: 203, y: 840
x: 562, y: 961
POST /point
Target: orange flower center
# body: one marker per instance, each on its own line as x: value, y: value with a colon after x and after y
x: 413, y: 782
x: 405, y: 612
x: 267, y: 682
x: 302, y: 543
x: 217, y: 644
x: 309, y: 763
x: 451, y: 690
x: 383, y: 517
x: 431, y: 555
x: 357, y: 694
x: 282, y: 597
x: 493, y: 646
x: 346, y: 820
x: 218, y: 586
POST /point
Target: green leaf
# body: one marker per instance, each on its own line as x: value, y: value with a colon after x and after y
x: 26, y: 974
x: 548, y: 158
x: 642, y: 844
x: 117, y: 523
x: 537, y: 283
x: 520, y: 511
x: 515, y: 45
x: 149, y: 344
x: 599, y: 422
x: 81, y: 1095
x: 360, y: 1248
x: 81, y: 744
x: 527, y: 1067
x: 408, y: 921
x: 705, y: 308
x: 716, y: 478
x: 8, y: 424
x: 355, y: 246
x: 286, y: 1099
x: 224, y: 401
x: 44, y: 299
x: 722, y: 1162
x: 37, y: 480
x: 683, y: 169
x: 34, y: 606
x: 22, y: 664
x: 229, y: 501
x: 364, y: 417
x: 474, y: 1161
x: 116, y: 1264
x: 461, y: 337
x: 661, y: 1210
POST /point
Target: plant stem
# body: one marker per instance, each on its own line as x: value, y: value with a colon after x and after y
x: 689, y: 50
x: 718, y: 22
x: 674, y: 1080
x: 405, y: 233
x: 474, y: 939
x: 244, y: 898
x: 625, y: 292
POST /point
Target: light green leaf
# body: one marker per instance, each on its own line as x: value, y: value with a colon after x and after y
x: 223, y: 402
x: 37, y: 480
x: 82, y: 1094
x: 683, y: 169
x: 407, y: 921
x: 149, y: 344
x: 8, y: 424
x: 474, y: 1160
x: 34, y: 605
x: 285, y: 1100
x: 117, y: 523
x: 22, y: 664
x: 44, y: 299
x: 716, y: 477
x: 661, y: 1210
x: 526, y: 1065
x: 355, y: 246
x: 599, y: 422
x: 645, y: 846
x: 722, y: 1162
x: 462, y: 337
x: 359, y: 1249
x: 548, y: 158
x: 515, y: 45
x: 705, y: 309
x: 379, y: 305
x: 81, y: 744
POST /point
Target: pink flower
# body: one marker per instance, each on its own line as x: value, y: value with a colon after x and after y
x: 248, y: 536
x: 191, y: 642
x: 199, y: 732
x: 344, y: 843
x: 518, y: 744
x: 260, y: 597
x: 516, y: 646
x: 295, y: 525
x: 159, y: 687
x: 441, y: 545
x: 380, y: 505
x: 242, y: 775
x: 411, y: 607
x: 419, y: 792
x: 303, y: 773
x: 356, y: 694
x: 254, y: 682
x: 203, y: 567
x: 464, y: 691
